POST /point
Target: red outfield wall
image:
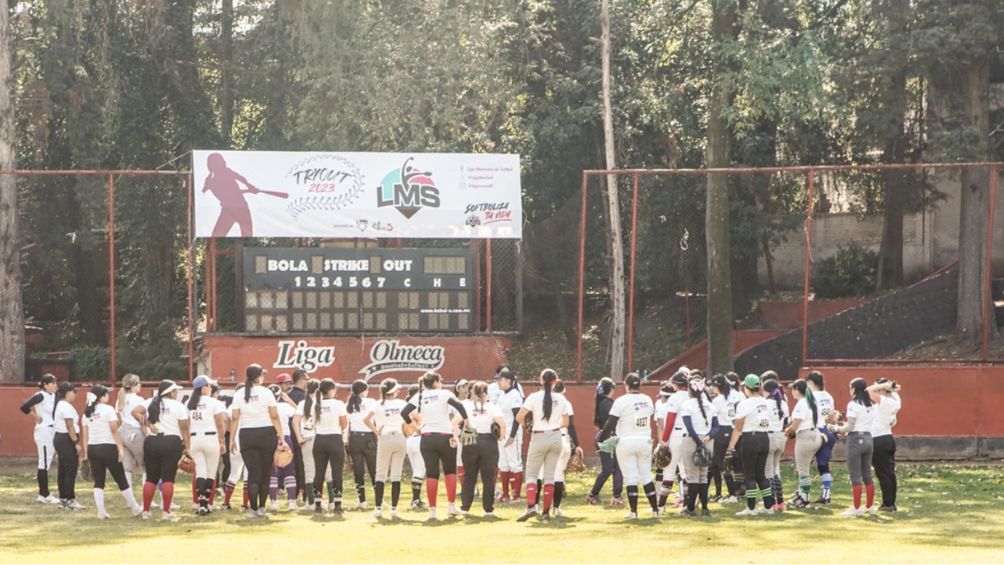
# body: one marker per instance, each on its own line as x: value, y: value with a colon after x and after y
x: 947, y: 403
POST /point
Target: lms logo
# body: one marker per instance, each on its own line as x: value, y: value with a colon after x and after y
x: 408, y: 189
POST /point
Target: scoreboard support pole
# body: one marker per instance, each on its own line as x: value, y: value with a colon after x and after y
x: 519, y: 286
x: 488, y: 285
x: 476, y: 246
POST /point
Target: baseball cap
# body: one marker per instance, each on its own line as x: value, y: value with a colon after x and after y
x: 751, y: 381
x: 201, y: 381
x: 283, y: 378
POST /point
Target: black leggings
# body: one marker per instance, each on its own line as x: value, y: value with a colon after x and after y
x: 756, y: 446
x: 258, y: 451
x: 718, y: 462
x: 69, y: 462
x: 363, y: 449
x: 481, y: 458
x: 328, y: 448
x: 105, y: 457
x: 160, y: 457
x: 436, y: 449
x: 884, y: 462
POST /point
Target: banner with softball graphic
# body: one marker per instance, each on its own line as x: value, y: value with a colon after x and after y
x: 346, y: 195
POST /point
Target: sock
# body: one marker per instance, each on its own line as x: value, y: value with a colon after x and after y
x: 667, y: 487
x: 559, y: 493
x: 331, y: 491
x: 548, y: 497
x: 827, y: 485
x: 416, y: 489
x: 540, y: 486
x: 99, y: 501
x: 778, y: 489
x: 517, y: 483
x: 460, y: 474
x: 43, y: 482
x: 395, y: 493
x: 690, y: 498
x: 451, y: 488
x: 531, y: 494
x: 857, y: 495
x: 431, y: 491
x: 506, y: 476
x: 291, y: 492
x: 683, y: 489
x: 196, y: 487
x: 245, y: 499
x: 228, y: 492
x: 703, y: 493
x: 804, y: 485
x: 167, y: 494
x: 378, y: 494
x: 632, y: 492
x: 730, y: 483
x: 658, y: 475
x: 768, y: 497
x: 273, y: 488
x: 751, y: 496
x: 650, y: 495
x: 870, y: 494
x: 212, y: 492
x: 130, y: 499
x: 361, y: 491
x: 148, y: 490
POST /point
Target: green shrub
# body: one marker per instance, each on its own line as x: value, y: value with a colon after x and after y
x: 91, y: 363
x: 851, y: 272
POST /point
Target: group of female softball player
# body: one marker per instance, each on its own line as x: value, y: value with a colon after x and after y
x: 705, y: 430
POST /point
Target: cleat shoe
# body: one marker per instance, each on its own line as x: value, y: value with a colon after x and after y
x: 362, y: 506
x: 451, y: 510
x: 590, y: 499
x: 202, y: 511
x: 822, y: 501
x: 871, y: 510
x: 616, y: 501
x: 729, y: 500
x: 417, y: 505
x: 167, y: 517
x: 72, y: 504
x: 887, y: 508
x: 393, y: 513
x: 746, y: 512
x: 292, y: 505
x: 377, y: 513
x: 631, y: 516
x: 275, y: 506
x: 146, y: 515
x: 529, y: 513
x: 853, y: 513
x: 103, y: 516
x: 432, y: 513
x: 557, y: 512
x: 705, y: 513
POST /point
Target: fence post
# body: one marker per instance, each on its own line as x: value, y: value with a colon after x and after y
x: 488, y: 285
x: 807, y: 264
x: 988, y: 309
x: 634, y: 249
x: 189, y: 263
x: 582, y: 277
x: 111, y: 278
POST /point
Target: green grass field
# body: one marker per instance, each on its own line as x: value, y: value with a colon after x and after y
x: 948, y: 514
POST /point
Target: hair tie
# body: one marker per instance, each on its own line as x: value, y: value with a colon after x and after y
x: 91, y: 398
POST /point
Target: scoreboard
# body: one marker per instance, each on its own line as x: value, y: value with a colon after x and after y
x: 331, y: 290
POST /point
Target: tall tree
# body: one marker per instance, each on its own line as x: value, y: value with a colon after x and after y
x: 11, y: 306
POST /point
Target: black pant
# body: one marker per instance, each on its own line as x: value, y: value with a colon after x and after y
x: 258, y: 450
x: 363, y: 449
x: 718, y: 460
x: 328, y: 448
x: 884, y: 462
x: 436, y: 450
x: 298, y: 464
x: 756, y: 447
x: 608, y: 466
x: 69, y: 462
x: 480, y: 458
x: 105, y: 457
x: 161, y: 454
x: 223, y: 472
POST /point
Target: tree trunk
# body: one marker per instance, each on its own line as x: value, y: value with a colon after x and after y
x: 617, y: 301
x: 226, y: 71
x: 719, y: 311
x: 11, y: 304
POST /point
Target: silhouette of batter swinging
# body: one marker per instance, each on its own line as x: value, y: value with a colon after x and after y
x: 222, y: 182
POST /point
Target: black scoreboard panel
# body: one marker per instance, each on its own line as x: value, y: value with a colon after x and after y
x: 330, y: 290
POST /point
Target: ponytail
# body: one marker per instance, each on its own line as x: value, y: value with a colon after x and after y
x: 61, y: 393
x: 426, y: 381
x: 860, y: 392
x: 252, y: 373
x: 153, y: 414
x: 803, y: 388
x: 355, y: 400
x: 696, y: 387
x: 308, y: 401
x: 387, y: 388
x: 547, y: 377
x: 327, y: 385
x: 93, y: 397
x: 128, y: 381
x: 479, y: 392
x: 193, y: 401
x: 773, y: 389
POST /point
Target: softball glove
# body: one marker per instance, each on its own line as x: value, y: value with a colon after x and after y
x: 702, y: 457
x: 468, y: 436
x: 283, y: 457
x: 186, y: 465
x: 608, y: 445
x: 85, y: 471
x: 575, y: 464
x: 662, y: 457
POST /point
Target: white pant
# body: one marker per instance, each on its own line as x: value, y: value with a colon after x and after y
x: 414, y: 452
x: 205, y: 451
x: 634, y: 456
x: 391, y: 451
x: 566, y: 454
x: 238, y: 472
x: 676, y: 461
x: 46, y: 451
x: 511, y: 458
x: 309, y: 469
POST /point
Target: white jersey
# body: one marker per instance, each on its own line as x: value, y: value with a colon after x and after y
x: 65, y: 411
x: 634, y: 413
x: 387, y: 415
x: 885, y: 414
x: 132, y: 400
x: 171, y: 412
x: 803, y: 413
x: 44, y: 402
x: 254, y: 412
x: 356, y: 419
x: 494, y: 393
x: 661, y: 408
x: 755, y: 414
x: 99, y: 429
x: 777, y: 417
x: 569, y: 410
x: 203, y: 416
x: 735, y: 397
x: 329, y: 423
x: 535, y: 405
x: 862, y: 415
x: 511, y: 401
x: 307, y: 420
x: 481, y: 415
x: 723, y: 410
x: 286, y: 411
x: 434, y: 407
x: 824, y: 401
x: 675, y: 403
x: 692, y: 407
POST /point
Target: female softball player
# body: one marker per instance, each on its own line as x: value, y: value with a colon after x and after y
x: 167, y: 439
x: 826, y: 406
x: 549, y: 412
x: 482, y: 457
x: 858, y: 427
x: 40, y: 406
x: 751, y: 423
x: 413, y: 447
x: 608, y: 461
x: 285, y: 475
x: 569, y: 445
x: 672, y: 435
x: 256, y: 423
x: 100, y: 433
x: 238, y: 471
x: 330, y: 419
x: 885, y: 396
x: 303, y: 428
x: 362, y: 440
x: 460, y: 390
x: 734, y: 460
x: 778, y: 415
x: 126, y: 403
x: 804, y: 427
x: 511, y: 450
x: 701, y: 424
x: 66, y: 442
x: 208, y: 422
x: 720, y: 389
x: 384, y: 419
x: 631, y: 418
x: 438, y: 445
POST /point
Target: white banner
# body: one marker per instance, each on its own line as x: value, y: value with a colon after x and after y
x: 346, y: 195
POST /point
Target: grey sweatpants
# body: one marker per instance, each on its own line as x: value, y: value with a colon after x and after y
x: 807, y: 443
x: 543, y: 455
x: 391, y: 451
x: 695, y: 475
x: 777, y: 442
x: 859, y: 457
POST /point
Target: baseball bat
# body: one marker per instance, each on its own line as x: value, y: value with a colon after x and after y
x: 270, y: 193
